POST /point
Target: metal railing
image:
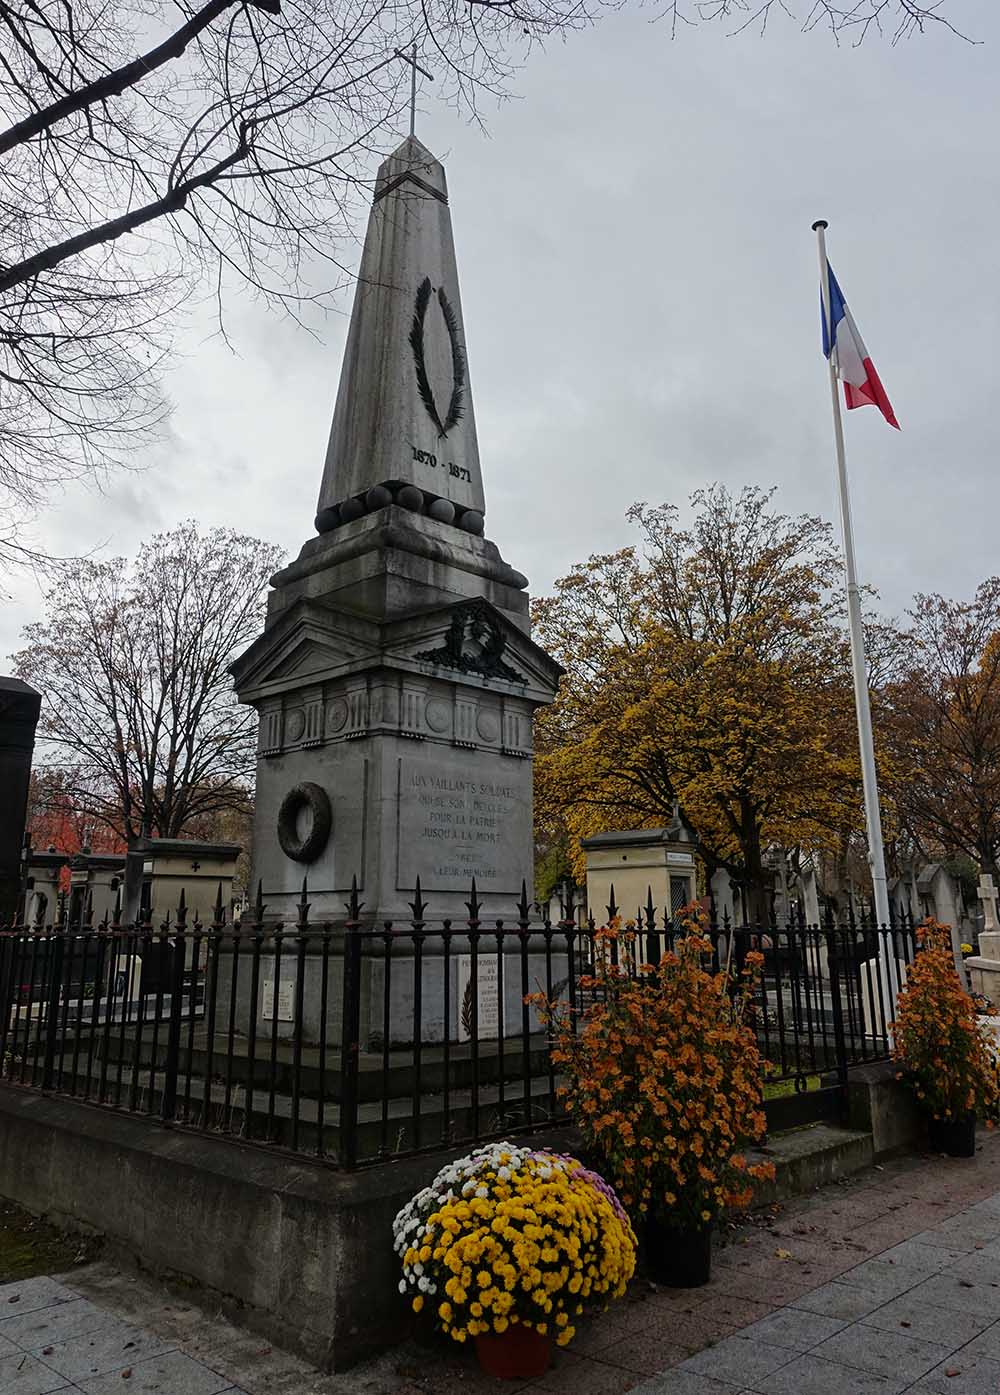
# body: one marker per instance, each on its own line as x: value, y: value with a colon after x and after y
x: 354, y: 1040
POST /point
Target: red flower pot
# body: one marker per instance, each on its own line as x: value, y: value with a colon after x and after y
x: 517, y: 1354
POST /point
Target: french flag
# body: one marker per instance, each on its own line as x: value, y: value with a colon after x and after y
x: 851, y: 361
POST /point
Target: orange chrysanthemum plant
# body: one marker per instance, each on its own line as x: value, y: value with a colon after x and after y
x: 937, y: 1040
x: 663, y: 1076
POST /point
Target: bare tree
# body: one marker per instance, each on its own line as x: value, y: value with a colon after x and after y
x: 156, y: 148
x: 942, y: 727
x: 133, y: 661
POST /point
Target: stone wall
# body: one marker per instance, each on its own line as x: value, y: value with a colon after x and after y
x: 295, y: 1250
x: 303, y: 1251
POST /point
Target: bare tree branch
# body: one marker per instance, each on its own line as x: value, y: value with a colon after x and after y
x: 236, y: 151
x: 133, y: 659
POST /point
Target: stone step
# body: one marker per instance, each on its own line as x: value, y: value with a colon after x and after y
x: 810, y: 1157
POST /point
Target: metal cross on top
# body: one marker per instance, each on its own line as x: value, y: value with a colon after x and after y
x: 415, y: 68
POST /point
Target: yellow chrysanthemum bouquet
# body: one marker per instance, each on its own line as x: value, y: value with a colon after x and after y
x: 510, y: 1236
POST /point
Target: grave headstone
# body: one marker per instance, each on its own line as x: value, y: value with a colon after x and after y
x: 983, y: 967
x: 987, y: 893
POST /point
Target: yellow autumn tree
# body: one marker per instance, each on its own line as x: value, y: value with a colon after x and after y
x: 706, y: 667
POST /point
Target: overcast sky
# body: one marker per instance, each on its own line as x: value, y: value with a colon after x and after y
x: 640, y: 296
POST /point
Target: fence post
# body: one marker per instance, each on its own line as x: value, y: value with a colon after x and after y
x: 839, y: 1039
x: 169, y: 1108
x: 58, y: 943
x: 351, y: 1033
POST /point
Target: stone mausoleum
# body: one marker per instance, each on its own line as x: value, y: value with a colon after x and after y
x: 396, y: 678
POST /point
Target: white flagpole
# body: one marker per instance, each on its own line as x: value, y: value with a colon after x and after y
x: 873, y: 818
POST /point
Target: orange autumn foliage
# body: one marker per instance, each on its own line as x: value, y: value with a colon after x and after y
x: 663, y: 1077
x: 938, y: 1041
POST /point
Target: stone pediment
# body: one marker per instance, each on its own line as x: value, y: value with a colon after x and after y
x: 311, y: 642
x: 473, y: 641
x: 469, y: 642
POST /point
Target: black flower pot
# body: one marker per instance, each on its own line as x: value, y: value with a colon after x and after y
x: 678, y: 1256
x: 955, y: 1137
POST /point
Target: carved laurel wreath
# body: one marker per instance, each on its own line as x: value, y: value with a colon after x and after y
x: 457, y: 404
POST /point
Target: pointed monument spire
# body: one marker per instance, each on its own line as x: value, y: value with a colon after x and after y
x: 403, y: 429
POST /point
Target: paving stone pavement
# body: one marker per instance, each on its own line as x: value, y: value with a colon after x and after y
x: 54, y: 1340
x: 887, y: 1283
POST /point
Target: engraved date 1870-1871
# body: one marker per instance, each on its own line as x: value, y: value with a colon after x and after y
x: 426, y: 457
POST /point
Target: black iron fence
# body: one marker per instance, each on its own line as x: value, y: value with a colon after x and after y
x: 354, y: 1041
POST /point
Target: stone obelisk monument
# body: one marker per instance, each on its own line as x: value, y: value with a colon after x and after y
x: 396, y: 679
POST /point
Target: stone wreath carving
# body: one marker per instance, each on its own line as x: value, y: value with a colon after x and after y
x: 314, y: 798
x: 475, y: 643
x: 456, y: 404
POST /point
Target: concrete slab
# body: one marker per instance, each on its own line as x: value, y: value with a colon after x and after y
x: 681, y: 1382
x: 882, y: 1278
x: 30, y: 1294
x: 58, y: 1323
x: 796, y: 1329
x: 929, y: 1322
x: 897, y: 1355
x: 21, y: 1374
x: 109, y: 1348
x: 841, y: 1300
x: 971, y: 1375
x: 913, y: 1254
x: 986, y: 1343
x: 170, y: 1374
x: 946, y: 1290
x: 812, y: 1375
x: 739, y: 1359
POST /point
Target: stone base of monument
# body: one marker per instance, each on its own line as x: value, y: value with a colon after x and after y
x: 984, y: 976
x: 389, y: 1008
x: 984, y: 968
x: 288, y: 1097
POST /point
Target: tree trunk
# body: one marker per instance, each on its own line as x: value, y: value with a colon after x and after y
x: 753, y: 863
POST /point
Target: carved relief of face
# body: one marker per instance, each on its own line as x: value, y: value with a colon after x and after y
x: 480, y: 635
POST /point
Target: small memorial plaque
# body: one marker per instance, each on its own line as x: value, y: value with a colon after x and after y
x: 286, y: 999
x: 487, y: 1003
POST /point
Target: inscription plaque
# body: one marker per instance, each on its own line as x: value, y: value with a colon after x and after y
x: 488, y: 1002
x: 454, y: 826
x: 286, y: 998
